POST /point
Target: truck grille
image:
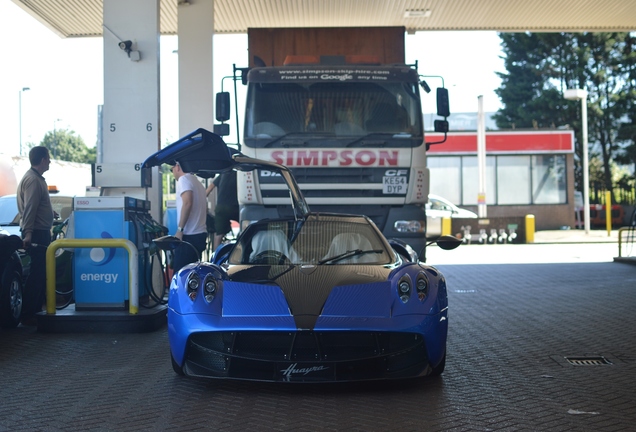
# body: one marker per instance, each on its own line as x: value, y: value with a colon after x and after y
x: 338, y: 183
x: 333, y: 175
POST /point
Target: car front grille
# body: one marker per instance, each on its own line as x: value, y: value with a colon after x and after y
x: 328, y: 356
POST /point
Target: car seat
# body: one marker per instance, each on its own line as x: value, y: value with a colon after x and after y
x: 274, y: 240
x: 345, y: 242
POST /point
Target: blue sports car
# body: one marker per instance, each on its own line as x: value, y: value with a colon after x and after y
x: 316, y: 297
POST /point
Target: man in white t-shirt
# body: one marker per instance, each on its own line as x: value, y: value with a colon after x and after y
x: 191, y: 214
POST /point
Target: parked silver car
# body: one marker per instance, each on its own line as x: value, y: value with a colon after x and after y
x: 438, y: 208
x: 10, y: 218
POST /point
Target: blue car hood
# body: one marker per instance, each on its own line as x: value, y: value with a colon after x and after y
x: 307, y: 288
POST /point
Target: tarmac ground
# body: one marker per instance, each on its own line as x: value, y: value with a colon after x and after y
x: 542, y: 338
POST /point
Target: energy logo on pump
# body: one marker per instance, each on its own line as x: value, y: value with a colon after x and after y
x: 101, y: 256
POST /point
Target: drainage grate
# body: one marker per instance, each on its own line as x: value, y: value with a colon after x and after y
x: 588, y: 361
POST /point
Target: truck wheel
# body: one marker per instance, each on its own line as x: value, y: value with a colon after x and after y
x: 11, y: 298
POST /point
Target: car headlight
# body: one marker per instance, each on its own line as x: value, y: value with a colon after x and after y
x: 421, y: 287
x: 404, y: 290
x: 409, y: 226
x: 193, y: 282
x: 209, y: 287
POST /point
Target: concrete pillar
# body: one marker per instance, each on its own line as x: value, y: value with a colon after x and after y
x: 196, y: 83
x: 130, y: 116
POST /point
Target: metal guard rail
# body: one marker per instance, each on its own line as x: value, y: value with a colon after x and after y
x: 630, y: 238
x: 133, y: 267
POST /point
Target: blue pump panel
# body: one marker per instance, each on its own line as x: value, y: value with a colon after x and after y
x: 101, y: 274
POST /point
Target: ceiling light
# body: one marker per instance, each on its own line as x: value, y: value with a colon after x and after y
x: 417, y: 13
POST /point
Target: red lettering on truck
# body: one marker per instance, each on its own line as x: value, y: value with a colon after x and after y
x: 305, y: 158
x: 294, y: 158
x: 388, y: 158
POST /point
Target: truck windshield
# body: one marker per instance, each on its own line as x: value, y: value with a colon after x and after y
x: 333, y: 114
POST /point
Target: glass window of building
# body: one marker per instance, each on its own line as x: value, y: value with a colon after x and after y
x: 548, y: 179
x: 470, y: 180
x: 513, y: 180
x: 446, y: 175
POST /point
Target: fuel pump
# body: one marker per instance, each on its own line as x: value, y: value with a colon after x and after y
x: 101, y: 275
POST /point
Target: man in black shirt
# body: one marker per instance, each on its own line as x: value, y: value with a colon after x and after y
x: 227, y: 208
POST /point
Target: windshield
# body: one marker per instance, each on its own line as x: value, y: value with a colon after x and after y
x: 344, y: 110
x: 319, y: 240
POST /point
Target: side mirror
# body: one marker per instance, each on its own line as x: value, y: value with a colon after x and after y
x: 448, y: 242
x: 425, y: 86
x: 441, y: 126
x: 244, y: 72
x: 443, y: 107
x: 222, y: 129
x: 222, y: 107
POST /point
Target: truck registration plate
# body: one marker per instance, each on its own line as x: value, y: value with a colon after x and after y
x: 394, y: 185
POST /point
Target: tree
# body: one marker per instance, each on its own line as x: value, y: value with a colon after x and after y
x: 627, y: 130
x: 65, y: 145
x: 540, y: 66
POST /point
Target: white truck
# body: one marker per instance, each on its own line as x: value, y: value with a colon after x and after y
x: 350, y: 126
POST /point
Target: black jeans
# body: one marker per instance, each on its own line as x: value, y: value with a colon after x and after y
x: 35, y: 286
x: 185, y: 254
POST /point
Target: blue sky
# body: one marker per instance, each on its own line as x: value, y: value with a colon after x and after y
x: 65, y: 76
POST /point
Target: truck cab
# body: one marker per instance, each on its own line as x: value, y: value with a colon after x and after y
x: 350, y: 129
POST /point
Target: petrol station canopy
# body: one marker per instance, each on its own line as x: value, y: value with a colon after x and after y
x: 83, y: 18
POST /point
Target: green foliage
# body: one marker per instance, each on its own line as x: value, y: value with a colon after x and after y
x: 540, y: 66
x: 65, y: 145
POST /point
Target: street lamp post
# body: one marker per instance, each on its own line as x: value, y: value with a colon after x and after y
x: 55, y: 143
x: 20, y: 114
x: 580, y: 94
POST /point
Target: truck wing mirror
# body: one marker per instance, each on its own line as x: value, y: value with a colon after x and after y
x: 222, y: 107
x: 244, y: 72
x: 441, y: 126
x: 425, y: 86
x: 443, y: 109
x: 222, y: 129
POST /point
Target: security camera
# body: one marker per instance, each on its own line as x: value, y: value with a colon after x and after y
x: 125, y: 45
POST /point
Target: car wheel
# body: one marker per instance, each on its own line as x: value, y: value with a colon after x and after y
x: 11, y: 298
x: 175, y: 366
x: 439, y: 369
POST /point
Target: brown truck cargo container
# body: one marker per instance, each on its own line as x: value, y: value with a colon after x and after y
x: 272, y: 45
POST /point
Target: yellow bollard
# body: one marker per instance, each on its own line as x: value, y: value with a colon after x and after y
x: 446, y: 226
x: 529, y: 228
x: 608, y: 212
